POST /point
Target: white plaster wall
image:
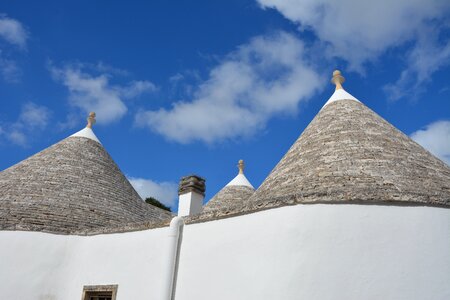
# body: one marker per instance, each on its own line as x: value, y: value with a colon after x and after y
x: 56, y: 267
x: 319, y: 252
x: 190, y: 204
x: 296, y: 252
x: 32, y: 265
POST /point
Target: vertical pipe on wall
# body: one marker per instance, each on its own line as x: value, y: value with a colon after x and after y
x: 175, y: 237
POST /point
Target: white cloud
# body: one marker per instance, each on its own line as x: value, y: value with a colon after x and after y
x: 266, y: 77
x: 176, y: 78
x: 105, y: 68
x: 72, y: 120
x: 32, y: 119
x: 136, y: 88
x: 95, y: 92
x: 8, y: 69
x: 435, y: 137
x: 428, y: 56
x: 34, y: 116
x: 13, y: 31
x: 359, y: 31
x: 17, y: 137
x: 165, y: 192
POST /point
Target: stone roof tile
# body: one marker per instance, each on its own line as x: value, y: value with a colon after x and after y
x: 236, y: 192
x: 71, y: 186
x: 229, y: 196
x: 349, y: 154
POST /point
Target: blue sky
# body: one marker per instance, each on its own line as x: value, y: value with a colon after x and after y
x: 182, y: 87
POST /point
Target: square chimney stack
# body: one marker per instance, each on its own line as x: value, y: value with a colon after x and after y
x: 191, y: 193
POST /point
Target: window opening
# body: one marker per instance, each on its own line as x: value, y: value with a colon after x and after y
x: 99, y: 292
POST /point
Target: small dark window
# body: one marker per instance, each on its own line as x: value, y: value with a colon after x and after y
x: 98, y: 296
x: 99, y: 292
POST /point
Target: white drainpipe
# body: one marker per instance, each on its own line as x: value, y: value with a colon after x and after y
x: 175, y: 236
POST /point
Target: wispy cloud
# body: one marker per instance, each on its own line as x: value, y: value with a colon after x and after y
x: 33, y: 118
x: 435, y: 137
x: 136, y: 88
x: 165, y: 192
x: 95, y: 92
x: 71, y: 121
x: 106, y: 68
x: 9, y: 69
x: 360, y: 31
x: 266, y: 77
x: 427, y: 56
x: 13, y: 31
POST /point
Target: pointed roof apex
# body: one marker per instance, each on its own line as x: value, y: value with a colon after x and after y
x: 240, y: 179
x: 349, y: 154
x: 339, y: 93
x: 87, y: 132
x: 80, y: 188
x: 236, y: 192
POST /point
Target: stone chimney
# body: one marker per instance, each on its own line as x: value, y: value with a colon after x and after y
x: 191, y: 193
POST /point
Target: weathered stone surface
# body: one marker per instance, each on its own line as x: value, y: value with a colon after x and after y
x: 192, y: 183
x: 229, y: 196
x: 350, y: 154
x: 73, y: 185
x: 347, y: 155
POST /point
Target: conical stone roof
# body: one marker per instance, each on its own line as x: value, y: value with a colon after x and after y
x: 349, y: 154
x: 235, y: 193
x: 71, y: 186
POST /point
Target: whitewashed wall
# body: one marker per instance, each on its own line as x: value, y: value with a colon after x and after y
x: 297, y: 252
x: 56, y: 267
x: 319, y: 252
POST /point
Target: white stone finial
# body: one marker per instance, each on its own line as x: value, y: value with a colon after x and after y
x: 241, y: 166
x: 91, y: 120
x: 338, y: 79
x: 240, y: 178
